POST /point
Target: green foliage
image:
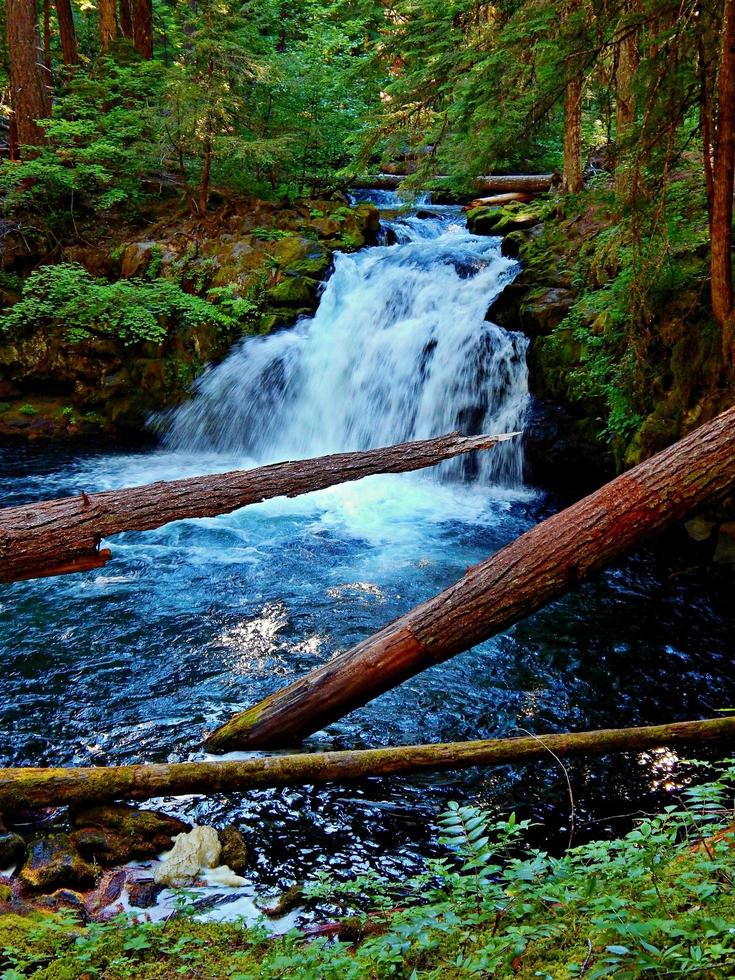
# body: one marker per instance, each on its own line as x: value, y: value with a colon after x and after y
x: 67, y: 298
x: 657, y: 902
x: 99, y: 144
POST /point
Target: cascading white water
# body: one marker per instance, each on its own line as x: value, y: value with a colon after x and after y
x: 398, y: 349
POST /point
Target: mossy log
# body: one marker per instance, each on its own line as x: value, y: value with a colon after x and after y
x: 489, y: 183
x: 26, y: 788
x: 542, y: 564
x: 55, y: 537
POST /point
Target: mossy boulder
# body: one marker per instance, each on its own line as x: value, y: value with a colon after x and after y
x: 54, y: 862
x: 12, y: 847
x: 234, y: 849
x: 117, y: 832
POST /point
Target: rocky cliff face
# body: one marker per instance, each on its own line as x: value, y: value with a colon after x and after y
x: 54, y: 382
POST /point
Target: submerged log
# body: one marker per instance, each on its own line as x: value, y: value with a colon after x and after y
x: 55, y: 537
x: 29, y: 788
x: 542, y: 564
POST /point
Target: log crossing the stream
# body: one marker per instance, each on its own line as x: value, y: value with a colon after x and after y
x: 56, y: 537
x: 542, y: 564
x: 28, y: 788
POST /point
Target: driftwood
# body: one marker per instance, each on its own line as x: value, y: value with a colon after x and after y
x: 542, y: 564
x: 498, y: 199
x: 491, y: 183
x: 28, y: 788
x: 58, y: 536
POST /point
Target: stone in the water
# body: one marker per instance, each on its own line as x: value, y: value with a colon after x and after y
x: 234, y: 849
x: 12, y: 848
x: 143, y: 893
x: 125, y: 832
x: 192, y: 852
x: 54, y: 862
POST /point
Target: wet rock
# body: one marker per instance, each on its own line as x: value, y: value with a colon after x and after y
x: 544, y: 309
x: 126, y: 829
x: 725, y: 549
x: 291, y: 899
x: 107, y: 847
x: 12, y: 847
x: 192, y: 852
x: 234, y: 849
x: 138, y: 257
x: 107, y: 891
x: 64, y: 899
x: 54, y: 862
x: 143, y: 893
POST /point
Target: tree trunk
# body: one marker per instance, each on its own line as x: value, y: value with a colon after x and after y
x: 67, y: 34
x: 47, y: 44
x: 142, y: 11
x: 30, y: 788
x: 126, y: 19
x: 723, y: 174
x: 542, y: 564
x: 625, y: 109
x: 108, y: 23
x: 49, y: 537
x: 27, y: 83
x: 572, y: 181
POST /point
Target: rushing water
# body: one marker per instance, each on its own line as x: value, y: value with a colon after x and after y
x: 196, y: 620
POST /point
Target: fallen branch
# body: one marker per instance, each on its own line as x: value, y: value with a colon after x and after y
x: 29, y: 788
x: 529, y: 183
x: 547, y: 561
x: 59, y: 536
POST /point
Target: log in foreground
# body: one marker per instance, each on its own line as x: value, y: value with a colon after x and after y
x: 29, y: 788
x: 55, y: 537
x: 542, y: 564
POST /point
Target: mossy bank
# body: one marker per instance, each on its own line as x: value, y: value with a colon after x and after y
x: 95, y: 337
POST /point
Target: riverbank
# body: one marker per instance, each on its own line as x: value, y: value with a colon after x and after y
x: 658, y: 900
x: 99, y: 332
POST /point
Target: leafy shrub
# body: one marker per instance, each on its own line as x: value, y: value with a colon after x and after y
x: 67, y: 298
x: 658, y: 902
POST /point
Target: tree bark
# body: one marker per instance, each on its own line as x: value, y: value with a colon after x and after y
x: 625, y: 108
x: 542, y: 564
x: 572, y: 181
x: 67, y: 33
x: 45, y: 538
x: 30, y: 788
x: 108, y: 23
x: 27, y: 83
x: 142, y: 11
x: 723, y: 174
x: 126, y: 19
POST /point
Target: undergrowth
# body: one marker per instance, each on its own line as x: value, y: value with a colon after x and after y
x: 68, y: 299
x: 657, y: 903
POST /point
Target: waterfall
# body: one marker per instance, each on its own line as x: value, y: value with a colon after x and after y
x: 398, y: 349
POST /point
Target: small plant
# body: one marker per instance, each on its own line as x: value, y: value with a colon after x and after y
x: 27, y: 409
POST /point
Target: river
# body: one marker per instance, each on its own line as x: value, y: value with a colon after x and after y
x: 199, y: 619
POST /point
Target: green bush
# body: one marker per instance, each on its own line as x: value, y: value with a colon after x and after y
x: 67, y: 298
x: 658, y: 902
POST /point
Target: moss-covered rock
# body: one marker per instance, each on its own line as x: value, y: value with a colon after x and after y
x: 54, y: 862
x: 116, y: 832
x: 234, y: 849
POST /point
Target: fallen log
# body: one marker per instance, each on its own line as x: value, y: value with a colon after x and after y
x: 29, y: 788
x: 542, y: 564
x: 498, y: 199
x: 55, y: 537
x: 528, y: 183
